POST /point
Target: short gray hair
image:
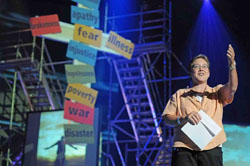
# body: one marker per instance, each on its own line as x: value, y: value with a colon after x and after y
x: 202, y: 56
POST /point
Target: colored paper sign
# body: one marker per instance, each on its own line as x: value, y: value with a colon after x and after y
x: 92, y: 4
x: 85, y: 16
x: 121, y: 45
x: 81, y: 94
x: 45, y: 25
x: 79, y: 133
x: 87, y: 35
x: 78, y: 112
x: 80, y: 74
x: 67, y: 35
x: 77, y: 62
x: 81, y: 52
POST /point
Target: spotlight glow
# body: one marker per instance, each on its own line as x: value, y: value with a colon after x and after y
x: 207, y: 1
x: 210, y: 37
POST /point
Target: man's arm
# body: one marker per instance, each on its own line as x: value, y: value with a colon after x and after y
x: 230, y: 88
x: 72, y: 146
x: 51, y: 146
x: 173, y: 120
x: 171, y: 117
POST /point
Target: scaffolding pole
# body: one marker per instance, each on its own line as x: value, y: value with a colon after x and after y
x: 12, y: 111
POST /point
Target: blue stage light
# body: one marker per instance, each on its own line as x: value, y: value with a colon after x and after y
x: 210, y: 36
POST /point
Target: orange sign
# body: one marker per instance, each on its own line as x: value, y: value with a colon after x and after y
x: 45, y: 25
x: 81, y: 94
x: 120, y: 45
x: 87, y: 35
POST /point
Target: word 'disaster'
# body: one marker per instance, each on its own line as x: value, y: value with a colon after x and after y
x: 87, y: 35
x: 79, y: 133
x: 81, y: 94
x: 120, y: 45
x: 45, y: 25
x: 85, y: 16
x: 78, y: 112
x: 81, y: 52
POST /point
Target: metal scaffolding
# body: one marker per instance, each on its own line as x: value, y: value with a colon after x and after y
x: 137, y: 132
x: 28, y: 83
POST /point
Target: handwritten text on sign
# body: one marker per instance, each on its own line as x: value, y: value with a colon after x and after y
x: 81, y: 52
x: 78, y: 112
x: 121, y: 45
x: 87, y: 35
x: 45, y: 25
x: 81, y: 94
x: 79, y: 133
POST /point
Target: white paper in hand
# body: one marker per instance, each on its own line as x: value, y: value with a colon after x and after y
x: 202, y: 133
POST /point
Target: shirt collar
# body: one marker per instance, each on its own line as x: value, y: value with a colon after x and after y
x: 208, y: 89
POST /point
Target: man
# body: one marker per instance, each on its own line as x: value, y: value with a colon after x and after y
x: 60, y: 158
x: 185, y: 104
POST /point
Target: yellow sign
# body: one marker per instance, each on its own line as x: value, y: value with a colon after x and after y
x: 81, y: 94
x: 121, y: 45
x: 88, y: 35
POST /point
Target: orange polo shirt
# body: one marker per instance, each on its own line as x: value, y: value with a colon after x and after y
x: 184, y: 101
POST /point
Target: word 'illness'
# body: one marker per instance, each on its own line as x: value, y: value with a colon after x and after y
x: 113, y: 39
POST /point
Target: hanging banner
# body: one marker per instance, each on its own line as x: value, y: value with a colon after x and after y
x: 92, y: 4
x: 85, y: 16
x: 79, y: 133
x: 80, y: 74
x: 81, y: 94
x: 78, y: 112
x: 87, y: 35
x: 81, y: 52
x: 45, y: 25
x: 120, y: 45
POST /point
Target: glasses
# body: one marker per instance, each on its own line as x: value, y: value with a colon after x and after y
x: 195, y: 66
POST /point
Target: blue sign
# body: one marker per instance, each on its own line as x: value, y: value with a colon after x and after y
x: 92, y: 4
x: 81, y: 52
x: 85, y: 16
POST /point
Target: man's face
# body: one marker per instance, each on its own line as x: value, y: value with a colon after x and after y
x: 200, y: 71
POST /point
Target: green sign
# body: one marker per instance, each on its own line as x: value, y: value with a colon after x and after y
x: 79, y: 133
x: 80, y: 74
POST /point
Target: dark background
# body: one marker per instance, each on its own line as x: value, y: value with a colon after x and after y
x: 14, y: 15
